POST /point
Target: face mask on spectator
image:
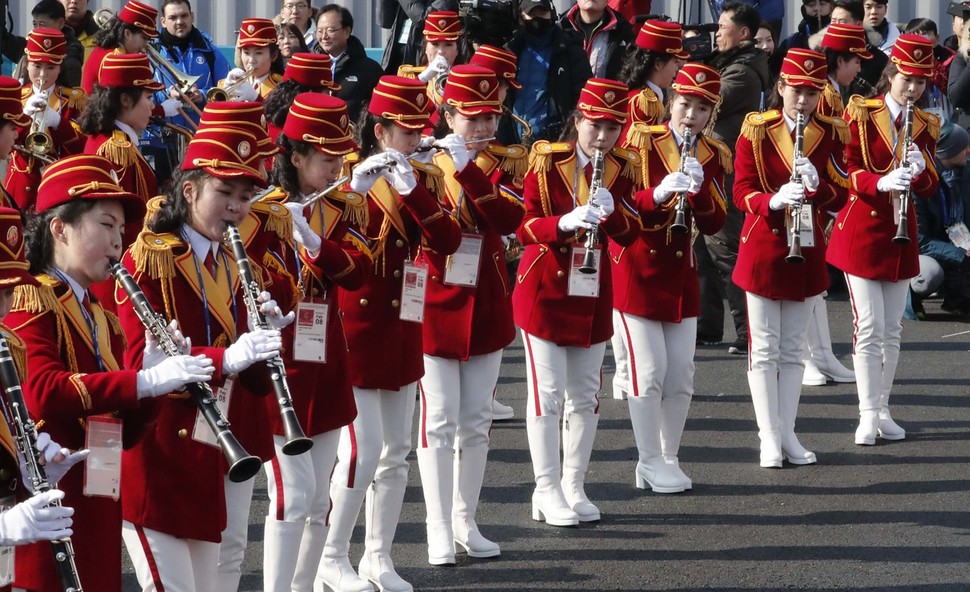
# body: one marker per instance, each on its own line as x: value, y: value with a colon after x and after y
x: 538, y: 26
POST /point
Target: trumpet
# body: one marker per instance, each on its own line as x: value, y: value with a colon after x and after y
x: 38, y: 140
x: 222, y: 94
x: 183, y: 82
x: 680, y: 216
x: 902, y: 228
x: 103, y: 17
x: 589, y: 258
x: 27, y: 153
x: 795, y: 212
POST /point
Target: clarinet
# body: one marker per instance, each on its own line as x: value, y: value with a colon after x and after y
x: 589, y: 258
x: 242, y: 466
x: 25, y: 436
x: 902, y: 228
x: 296, y: 440
x: 680, y: 217
x: 795, y: 212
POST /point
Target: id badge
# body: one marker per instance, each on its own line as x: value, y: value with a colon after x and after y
x: 463, y: 264
x: 807, y: 220
x: 202, y: 432
x: 102, y: 468
x: 7, y: 553
x: 310, y: 343
x: 405, y: 33
x: 584, y: 284
x: 412, y: 292
x: 959, y: 235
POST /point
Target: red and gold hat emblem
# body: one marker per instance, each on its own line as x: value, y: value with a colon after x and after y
x: 809, y: 64
x: 419, y: 100
x: 13, y: 237
x: 251, y: 28
x: 244, y: 149
x: 701, y: 77
x: 343, y: 121
x: 442, y: 24
x: 918, y: 53
x: 47, y: 43
x: 608, y: 96
x: 483, y: 86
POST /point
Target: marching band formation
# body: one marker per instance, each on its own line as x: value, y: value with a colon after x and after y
x: 289, y: 289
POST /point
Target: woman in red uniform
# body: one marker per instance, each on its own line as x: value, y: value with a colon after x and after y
x: 442, y: 30
x: 259, y: 63
x: 305, y: 72
x: 329, y: 255
x: 127, y: 32
x: 469, y: 314
x: 779, y: 292
x: 655, y: 292
x: 383, y: 325
x: 12, y: 123
x: 564, y: 314
x: 174, y: 503
x: 52, y: 108
x: 75, y: 382
x: 876, y: 267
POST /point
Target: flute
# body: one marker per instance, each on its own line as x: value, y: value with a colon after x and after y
x: 242, y: 466
x: 296, y: 440
x: 317, y: 196
x: 440, y: 147
x: 25, y: 437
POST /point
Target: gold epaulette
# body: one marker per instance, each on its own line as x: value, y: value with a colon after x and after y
x: 932, y: 123
x: 75, y: 98
x: 276, y: 195
x: 37, y: 299
x: 119, y: 149
x: 631, y: 162
x: 754, y: 124
x: 25, y: 92
x: 354, y: 205
x: 833, y: 98
x: 840, y: 129
x: 647, y: 102
x: 432, y: 175
x: 18, y: 350
x: 152, y: 208
x: 540, y: 159
x: 515, y: 158
x: 640, y: 135
x: 409, y: 71
x: 859, y: 106
x: 153, y: 254
x: 274, y: 217
x: 727, y: 158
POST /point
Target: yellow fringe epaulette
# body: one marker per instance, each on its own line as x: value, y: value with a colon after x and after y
x: 859, y: 106
x: 152, y: 208
x: 119, y: 149
x: 839, y: 179
x: 153, y: 254
x: 75, y: 98
x: 648, y: 103
x: 724, y: 152
x: 932, y: 123
x: 37, y: 299
x: 515, y: 158
x: 840, y: 129
x: 18, y: 351
x: 540, y: 159
x: 409, y: 71
x: 272, y: 264
x: 754, y: 124
x: 115, y: 325
x: 833, y: 99
x: 640, y: 135
x: 354, y: 205
x: 432, y: 175
x: 275, y: 218
x: 631, y: 163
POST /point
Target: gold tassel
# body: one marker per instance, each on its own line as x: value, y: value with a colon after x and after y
x: 119, y: 150
x: 517, y: 167
x: 540, y: 159
x: 76, y: 98
x: 273, y: 264
x: 833, y: 98
x: 631, y: 170
x: 649, y: 105
x: 18, y: 351
x: 408, y: 71
x: 753, y: 129
x: 116, y: 327
x: 35, y: 299
x: 639, y: 136
x: 841, y: 131
x: 835, y: 177
x: 857, y: 109
x: 158, y: 262
x: 727, y: 159
x: 282, y: 225
x: 933, y: 125
x: 357, y: 213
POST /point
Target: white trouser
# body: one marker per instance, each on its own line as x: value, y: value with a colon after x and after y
x: 621, y: 361
x: 776, y: 330
x: 299, y: 486
x: 661, y: 355
x: 878, y: 310
x: 562, y: 379
x: 456, y: 399
x: 172, y: 564
x: 232, y: 549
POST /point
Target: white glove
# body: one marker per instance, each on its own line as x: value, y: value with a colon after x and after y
x: 426, y: 151
x: 603, y: 200
x: 790, y: 194
x: 302, y: 232
x: 671, y: 185
x: 171, y: 107
x: 896, y: 180
x: 809, y: 174
x: 244, y: 93
x: 233, y: 76
x: 256, y: 346
x: 455, y: 145
x: 580, y: 217
x: 695, y: 171
x: 56, y: 460
x: 153, y: 354
x: 172, y: 374
x: 35, y: 104
x: 272, y: 313
x: 368, y: 172
x: 916, y: 161
x: 401, y: 175
x: 439, y: 65
x: 31, y: 520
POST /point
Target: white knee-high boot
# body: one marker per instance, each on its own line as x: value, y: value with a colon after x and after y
x: 548, y: 501
x: 868, y: 373
x: 437, y: 466
x: 384, y: 501
x: 673, y: 418
x: 579, y: 432
x: 789, y: 392
x: 281, y: 548
x: 336, y: 571
x: 764, y: 396
x: 652, y: 469
x: 820, y: 363
x: 889, y: 429
x: 311, y: 550
x: 471, y: 474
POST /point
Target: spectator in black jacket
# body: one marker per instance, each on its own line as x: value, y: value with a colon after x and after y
x: 552, y: 71
x: 356, y: 73
x: 49, y: 14
x: 815, y: 16
x: 606, y: 34
x: 405, y: 19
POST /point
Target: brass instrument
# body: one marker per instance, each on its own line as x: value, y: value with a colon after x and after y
x: 103, y: 17
x: 589, y: 259
x: 183, y: 136
x: 526, y: 128
x: 27, y: 153
x: 795, y: 212
x: 680, y: 216
x: 183, y: 82
x: 38, y: 140
x: 902, y: 228
x: 222, y: 94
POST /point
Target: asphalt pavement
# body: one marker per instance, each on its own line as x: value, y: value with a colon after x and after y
x: 890, y: 517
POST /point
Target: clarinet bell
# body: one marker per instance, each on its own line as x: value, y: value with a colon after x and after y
x: 296, y: 440
x: 795, y: 251
x: 589, y: 262
x: 242, y: 466
x: 679, y: 225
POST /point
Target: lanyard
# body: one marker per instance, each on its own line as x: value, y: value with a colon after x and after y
x: 92, y: 324
x: 205, y: 300
x: 538, y: 56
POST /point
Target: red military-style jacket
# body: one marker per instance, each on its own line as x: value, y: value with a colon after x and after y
x: 173, y: 483
x: 541, y: 302
x: 644, y: 107
x: 385, y: 351
x: 65, y: 385
x: 656, y: 276
x: 322, y: 393
x: 92, y: 67
x: 861, y: 242
x: 463, y: 321
x: 762, y: 164
x: 23, y: 173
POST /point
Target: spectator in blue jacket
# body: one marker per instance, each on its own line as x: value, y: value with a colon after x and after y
x: 944, y: 241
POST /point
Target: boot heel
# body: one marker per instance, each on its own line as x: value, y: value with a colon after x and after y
x: 641, y: 483
x: 537, y: 513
